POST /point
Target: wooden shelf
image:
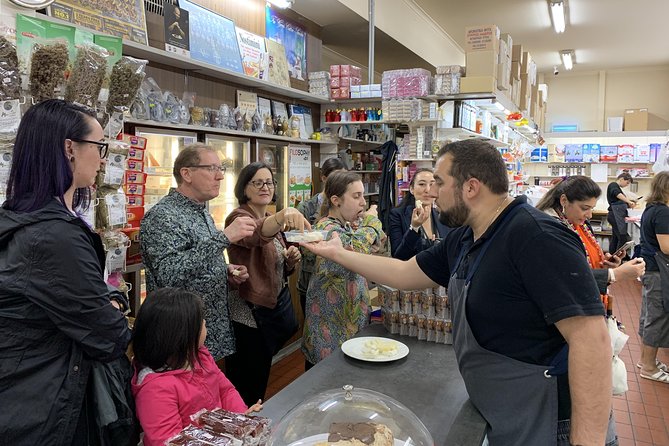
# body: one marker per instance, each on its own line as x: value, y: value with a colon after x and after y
x: 636, y: 134
x: 352, y: 101
x: 217, y: 131
x: 361, y: 142
x: 160, y: 56
x: 325, y: 124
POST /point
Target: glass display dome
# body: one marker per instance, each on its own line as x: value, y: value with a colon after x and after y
x: 354, y: 416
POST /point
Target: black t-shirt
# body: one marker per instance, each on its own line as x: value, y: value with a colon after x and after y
x: 612, y: 192
x: 534, y: 274
x: 654, y: 220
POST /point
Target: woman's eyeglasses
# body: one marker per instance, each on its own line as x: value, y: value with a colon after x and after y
x: 103, y: 147
x: 258, y: 184
x: 212, y: 168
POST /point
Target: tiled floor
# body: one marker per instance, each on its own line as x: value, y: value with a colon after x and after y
x: 642, y: 414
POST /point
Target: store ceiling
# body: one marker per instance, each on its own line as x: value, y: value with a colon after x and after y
x: 605, y: 34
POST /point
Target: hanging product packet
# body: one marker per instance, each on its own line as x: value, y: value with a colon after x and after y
x: 111, y: 210
x: 112, y: 172
x: 49, y: 61
x: 154, y: 100
x: 10, y: 77
x: 87, y: 75
x: 124, y: 82
x: 116, y: 244
x: 172, y: 107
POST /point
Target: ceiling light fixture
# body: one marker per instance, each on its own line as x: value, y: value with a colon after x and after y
x: 557, y: 12
x: 568, y: 59
x: 281, y: 3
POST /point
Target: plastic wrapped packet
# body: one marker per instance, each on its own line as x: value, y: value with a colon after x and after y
x: 126, y: 77
x: 184, y: 113
x: 214, y: 118
x: 112, y: 172
x: 224, y: 111
x: 439, y: 331
x: 88, y: 73
x: 116, y: 244
x: 48, y: 62
x: 421, y: 322
x: 429, y: 324
x: 427, y: 303
x: 155, y: 99
x: 448, y: 332
x: 10, y: 77
x: 306, y: 236
x: 416, y: 307
x: 197, y: 436
x: 140, y: 106
x: 197, y: 116
x: 111, y: 209
x: 250, y: 430
x: 171, y: 107
x: 405, y: 302
x: 404, y: 325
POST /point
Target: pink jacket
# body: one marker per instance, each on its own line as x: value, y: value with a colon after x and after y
x: 166, y: 400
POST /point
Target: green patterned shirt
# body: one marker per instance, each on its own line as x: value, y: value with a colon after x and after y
x: 182, y: 248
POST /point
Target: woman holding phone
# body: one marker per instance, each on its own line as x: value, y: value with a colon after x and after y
x: 571, y: 201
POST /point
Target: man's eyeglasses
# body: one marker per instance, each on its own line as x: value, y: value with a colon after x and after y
x: 103, y: 147
x: 212, y: 168
x: 258, y: 184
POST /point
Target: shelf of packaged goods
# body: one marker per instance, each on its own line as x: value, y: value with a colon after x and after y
x: 163, y: 57
x: 463, y: 134
x: 325, y: 124
x: 361, y: 142
x: 214, y: 130
x: 589, y: 135
x: 353, y: 101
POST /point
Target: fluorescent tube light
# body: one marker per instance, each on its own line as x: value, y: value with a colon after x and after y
x: 557, y: 11
x: 567, y: 59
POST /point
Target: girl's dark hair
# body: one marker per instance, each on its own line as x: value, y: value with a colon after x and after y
x: 40, y: 168
x: 247, y: 175
x: 167, y: 330
x: 409, y: 198
x: 659, y: 189
x: 336, y: 185
x: 330, y: 165
x: 576, y: 188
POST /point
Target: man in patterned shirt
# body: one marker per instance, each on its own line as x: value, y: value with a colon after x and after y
x: 182, y: 248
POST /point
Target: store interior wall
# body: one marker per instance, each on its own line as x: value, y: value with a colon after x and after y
x: 574, y: 98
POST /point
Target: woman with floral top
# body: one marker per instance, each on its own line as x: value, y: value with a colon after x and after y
x: 337, y: 299
x: 266, y: 293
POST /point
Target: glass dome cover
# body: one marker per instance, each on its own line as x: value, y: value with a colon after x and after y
x: 362, y: 416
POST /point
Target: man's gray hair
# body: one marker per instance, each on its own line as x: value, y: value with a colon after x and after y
x: 189, y: 156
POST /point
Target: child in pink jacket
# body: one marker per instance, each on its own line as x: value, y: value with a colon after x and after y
x: 175, y: 375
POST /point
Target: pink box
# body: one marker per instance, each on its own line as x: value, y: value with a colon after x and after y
x: 335, y: 82
x: 334, y: 93
x: 344, y: 81
x: 344, y: 92
x: 335, y: 70
x: 356, y: 72
x: 345, y: 70
x: 355, y: 80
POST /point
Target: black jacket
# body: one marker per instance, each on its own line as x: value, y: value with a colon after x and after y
x: 405, y: 243
x: 55, y: 320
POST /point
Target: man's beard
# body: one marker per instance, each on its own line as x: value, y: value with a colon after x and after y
x: 456, y: 216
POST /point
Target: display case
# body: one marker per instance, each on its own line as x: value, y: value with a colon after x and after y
x: 350, y: 416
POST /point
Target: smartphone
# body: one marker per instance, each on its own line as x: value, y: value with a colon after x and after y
x: 620, y: 253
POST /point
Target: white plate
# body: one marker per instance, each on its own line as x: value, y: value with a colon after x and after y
x: 323, y: 438
x: 355, y: 349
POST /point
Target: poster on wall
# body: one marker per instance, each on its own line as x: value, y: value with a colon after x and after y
x: 213, y: 38
x: 278, y: 65
x: 121, y: 18
x: 299, y: 174
x: 254, y: 54
x: 292, y: 37
x: 177, y: 30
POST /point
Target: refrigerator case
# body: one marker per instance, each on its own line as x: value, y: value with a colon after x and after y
x: 162, y: 148
x: 235, y: 153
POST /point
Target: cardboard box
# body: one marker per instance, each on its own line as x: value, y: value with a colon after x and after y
x: 482, y: 38
x: 614, y: 124
x: 478, y: 84
x: 133, y: 254
x: 503, y: 76
x: 517, y: 53
x: 525, y: 86
x: 506, y: 37
x: 526, y: 63
x: 636, y: 119
x: 134, y: 141
x: 481, y: 63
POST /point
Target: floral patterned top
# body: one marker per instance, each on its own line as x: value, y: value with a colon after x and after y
x: 182, y: 248
x: 338, y: 299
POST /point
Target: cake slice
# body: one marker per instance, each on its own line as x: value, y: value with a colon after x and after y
x: 359, y: 434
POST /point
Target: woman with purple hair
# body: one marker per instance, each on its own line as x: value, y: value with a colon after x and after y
x: 57, y: 315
